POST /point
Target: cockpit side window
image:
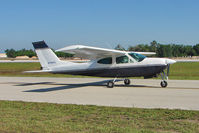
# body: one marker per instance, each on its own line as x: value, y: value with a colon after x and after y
x: 122, y: 59
x: 137, y: 57
x: 107, y: 60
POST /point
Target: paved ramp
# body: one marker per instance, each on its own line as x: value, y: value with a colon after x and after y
x: 143, y: 93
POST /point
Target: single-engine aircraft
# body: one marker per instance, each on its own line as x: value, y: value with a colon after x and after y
x: 103, y: 63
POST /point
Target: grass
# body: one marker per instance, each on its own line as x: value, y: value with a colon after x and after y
x: 187, y: 70
x: 46, y: 117
x: 17, y: 69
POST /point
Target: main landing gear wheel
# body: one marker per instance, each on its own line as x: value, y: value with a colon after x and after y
x: 127, y: 81
x: 110, y: 84
x: 163, y: 84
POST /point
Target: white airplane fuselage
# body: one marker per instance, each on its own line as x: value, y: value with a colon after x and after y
x: 148, y: 67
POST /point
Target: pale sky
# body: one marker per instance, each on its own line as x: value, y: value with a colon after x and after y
x: 100, y: 23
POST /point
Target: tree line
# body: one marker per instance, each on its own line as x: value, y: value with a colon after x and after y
x: 11, y: 53
x: 161, y: 50
x: 164, y: 50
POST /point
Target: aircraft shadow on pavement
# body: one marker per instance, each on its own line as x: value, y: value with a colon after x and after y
x: 65, y: 86
x: 71, y: 86
x: 38, y: 83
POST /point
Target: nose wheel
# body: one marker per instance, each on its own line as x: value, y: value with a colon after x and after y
x: 163, y: 84
x: 164, y: 77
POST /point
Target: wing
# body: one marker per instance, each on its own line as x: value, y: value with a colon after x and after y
x: 90, y: 52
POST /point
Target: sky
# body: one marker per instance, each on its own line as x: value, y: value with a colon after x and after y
x: 100, y: 23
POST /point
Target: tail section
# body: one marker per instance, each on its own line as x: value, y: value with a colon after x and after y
x: 47, y: 57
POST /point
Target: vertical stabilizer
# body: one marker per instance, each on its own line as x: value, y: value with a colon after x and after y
x: 47, y: 57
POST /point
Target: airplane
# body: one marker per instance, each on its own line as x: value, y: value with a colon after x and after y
x: 103, y: 63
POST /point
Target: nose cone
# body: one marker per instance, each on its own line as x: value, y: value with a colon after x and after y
x: 170, y: 61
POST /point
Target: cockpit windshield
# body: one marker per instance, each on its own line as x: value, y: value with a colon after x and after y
x: 137, y: 57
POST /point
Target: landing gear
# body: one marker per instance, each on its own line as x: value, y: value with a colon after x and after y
x: 164, y: 77
x: 163, y: 84
x: 110, y: 84
x: 127, y: 81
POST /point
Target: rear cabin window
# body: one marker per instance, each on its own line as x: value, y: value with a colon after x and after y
x: 122, y: 59
x: 107, y: 60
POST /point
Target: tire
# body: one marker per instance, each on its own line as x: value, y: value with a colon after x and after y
x: 163, y: 84
x: 127, y: 81
x: 110, y: 84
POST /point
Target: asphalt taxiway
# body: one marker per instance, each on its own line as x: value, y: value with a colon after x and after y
x: 143, y: 93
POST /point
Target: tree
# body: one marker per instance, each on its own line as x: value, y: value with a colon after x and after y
x: 140, y: 48
x: 30, y: 53
x: 189, y: 51
x: 164, y: 51
x: 153, y: 46
x: 196, y: 48
x: 64, y: 55
x: 131, y: 48
x: 119, y: 47
x: 23, y: 52
x: 11, y: 53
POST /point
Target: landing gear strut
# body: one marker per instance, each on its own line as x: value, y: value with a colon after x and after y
x: 164, y: 83
x: 165, y: 77
x: 110, y: 84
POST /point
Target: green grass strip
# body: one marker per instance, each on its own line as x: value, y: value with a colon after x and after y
x: 46, y: 117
